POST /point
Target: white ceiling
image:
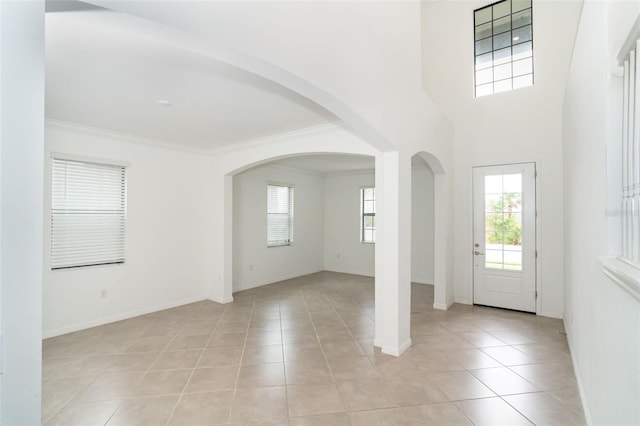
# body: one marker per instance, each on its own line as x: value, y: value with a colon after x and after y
x: 104, y: 72
x: 329, y: 163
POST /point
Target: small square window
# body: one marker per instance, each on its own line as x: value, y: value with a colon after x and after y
x: 368, y: 215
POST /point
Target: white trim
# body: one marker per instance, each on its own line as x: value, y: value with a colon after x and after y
x: 119, y: 317
x: 272, y: 281
x: 549, y: 314
x: 122, y: 136
x: 396, y: 351
x: 622, y: 273
x: 443, y: 306
x: 378, y: 343
x: 352, y: 272
x: 583, y: 399
x: 629, y: 43
x: 423, y: 283
x: 85, y: 159
x: 221, y: 301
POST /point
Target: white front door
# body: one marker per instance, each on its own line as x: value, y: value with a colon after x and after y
x: 504, y: 250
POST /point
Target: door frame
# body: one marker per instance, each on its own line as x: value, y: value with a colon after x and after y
x: 538, y: 167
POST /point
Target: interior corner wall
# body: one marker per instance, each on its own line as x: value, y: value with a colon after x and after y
x: 255, y: 264
x: 166, y: 219
x: 602, y: 320
x: 343, y: 251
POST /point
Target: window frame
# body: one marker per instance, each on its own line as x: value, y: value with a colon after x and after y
x: 113, y: 248
x: 363, y: 214
x: 507, y: 81
x: 271, y: 240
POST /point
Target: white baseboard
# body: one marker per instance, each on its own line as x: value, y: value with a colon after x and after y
x: 585, y: 407
x: 555, y: 315
x: 221, y: 301
x: 119, y: 317
x: 378, y: 343
x: 397, y: 351
x: 271, y: 281
x: 351, y: 272
x: 440, y: 306
x: 421, y: 282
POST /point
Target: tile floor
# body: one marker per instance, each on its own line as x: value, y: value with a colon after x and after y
x: 300, y: 352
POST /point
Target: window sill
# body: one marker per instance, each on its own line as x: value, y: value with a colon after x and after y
x: 622, y: 273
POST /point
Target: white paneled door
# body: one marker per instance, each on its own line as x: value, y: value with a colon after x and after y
x: 504, y: 232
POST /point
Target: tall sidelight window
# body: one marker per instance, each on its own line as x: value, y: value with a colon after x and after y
x: 279, y: 215
x: 629, y: 59
x: 503, y: 47
x: 87, y: 214
x: 368, y: 215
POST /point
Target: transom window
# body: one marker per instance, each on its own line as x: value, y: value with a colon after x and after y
x: 87, y: 214
x: 368, y: 215
x: 279, y: 215
x: 503, y: 47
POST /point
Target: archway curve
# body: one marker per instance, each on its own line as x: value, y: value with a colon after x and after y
x: 443, y: 288
x: 130, y: 14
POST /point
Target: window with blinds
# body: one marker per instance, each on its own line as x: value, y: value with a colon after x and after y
x: 279, y: 215
x: 368, y: 215
x: 629, y: 59
x: 87, y: 214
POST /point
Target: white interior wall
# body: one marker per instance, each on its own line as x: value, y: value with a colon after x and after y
x: 422, y: 228
x: 21, y: 152
x: 343, y: 251
x: 164, y: 263
x: 524, y: 125
x: 602, y: 320
x: 254, y: 263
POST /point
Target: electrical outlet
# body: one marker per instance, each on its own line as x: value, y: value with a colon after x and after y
x: 251, y: 267
x: 338, y: 256
x: 104, y: 293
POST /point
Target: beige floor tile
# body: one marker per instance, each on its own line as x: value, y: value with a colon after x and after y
x: 415, y: 390
x: 325, y: 420
x: 85, y: 413
x: 174, y: 360
x: 545, y: 408
x: 258, y: 405
x: 111, y: 386
x: 309, y: 400
x: 226, y: 340
x: 232, y: 327
x: 481, y: 339
x: 144, y: 411
x: 432, y: 362
x: 213, y: 379
x: 218, y: 357
x: 134, y: 362
x: 56, y: 393
x: 471, y: 359
x: 261, y: 375
x: 164, y: 382
x: 459, y: 385
x: 202, y: 409
x: 508, y: 355
x: 446, y: 413
x: 91, y: 365
x: 303, y: 352
x: 385, y: 417
x: 315, y: 371
x: 262, y: 354
x: 360, y: 395
x: 503, y: 381
x: 353, y: 369
x: 545, y: 352
x: 149, y: 344
x: 391, y: 366
x: 545, y: 376
x: 188, y: 342
x: 341, y: 349
x: 491, y: 412
x: 264, y: 338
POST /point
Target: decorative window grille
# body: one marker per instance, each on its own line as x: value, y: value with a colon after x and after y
x: 628, y: 58
x: 503, y: 47
x: 87, y: 214
x: 279, y: 215
x: 368, y: 215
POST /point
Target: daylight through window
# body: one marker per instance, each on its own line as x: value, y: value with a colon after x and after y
x: 368, y: 215
x: 503, y: 47
x: 279, y: 215
x: 87, y: 214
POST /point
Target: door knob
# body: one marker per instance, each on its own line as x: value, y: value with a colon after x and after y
x: 477, y: 253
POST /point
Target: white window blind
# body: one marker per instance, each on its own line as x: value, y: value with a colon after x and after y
x: 368, y: 215
x: 279, y: 215
x: 87, y: 214
x: 631, y: 152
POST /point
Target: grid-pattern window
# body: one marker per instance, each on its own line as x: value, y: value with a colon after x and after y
x: 368, y: 215
x: 87, y: 214
x: 279, y: 215
x: 503, y: 47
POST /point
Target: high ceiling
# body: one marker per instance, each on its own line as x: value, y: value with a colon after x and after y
x: 104, y: 71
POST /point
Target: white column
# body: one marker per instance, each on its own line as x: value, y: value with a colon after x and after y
x: 22, y: 57
x: 634, y: 173
x: 443, y: 289
x: 393, y: 252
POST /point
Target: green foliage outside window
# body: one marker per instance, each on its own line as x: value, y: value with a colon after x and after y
x: 503, y: 223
